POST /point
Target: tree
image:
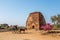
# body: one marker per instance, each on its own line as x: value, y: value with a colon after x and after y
x: 4, y: 26
x: 56, y: 20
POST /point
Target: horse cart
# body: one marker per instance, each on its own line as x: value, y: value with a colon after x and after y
x: 19, y: 29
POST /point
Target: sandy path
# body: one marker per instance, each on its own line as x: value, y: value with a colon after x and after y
x: 29, y: 35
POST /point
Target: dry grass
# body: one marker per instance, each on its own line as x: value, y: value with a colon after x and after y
x: 28, y: 35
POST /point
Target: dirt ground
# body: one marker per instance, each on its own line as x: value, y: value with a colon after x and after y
x: 28, y: 35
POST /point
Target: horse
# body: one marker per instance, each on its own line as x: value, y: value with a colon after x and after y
x: 22, y: 29
x: 19, y: 29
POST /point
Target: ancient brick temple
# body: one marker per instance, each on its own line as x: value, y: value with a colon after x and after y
x: 35, y: 20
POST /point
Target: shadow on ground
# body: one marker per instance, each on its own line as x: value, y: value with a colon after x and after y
x: 26, y: 39
x: 22, y: 32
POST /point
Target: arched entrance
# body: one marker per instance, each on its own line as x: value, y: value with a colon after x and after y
x: 33, y: 27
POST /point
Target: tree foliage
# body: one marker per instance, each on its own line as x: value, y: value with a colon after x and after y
x: 56, y: 20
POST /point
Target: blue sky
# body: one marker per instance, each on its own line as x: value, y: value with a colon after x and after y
x: 17, y: 11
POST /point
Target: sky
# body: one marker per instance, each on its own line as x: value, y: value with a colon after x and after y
x: 16, y: 12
